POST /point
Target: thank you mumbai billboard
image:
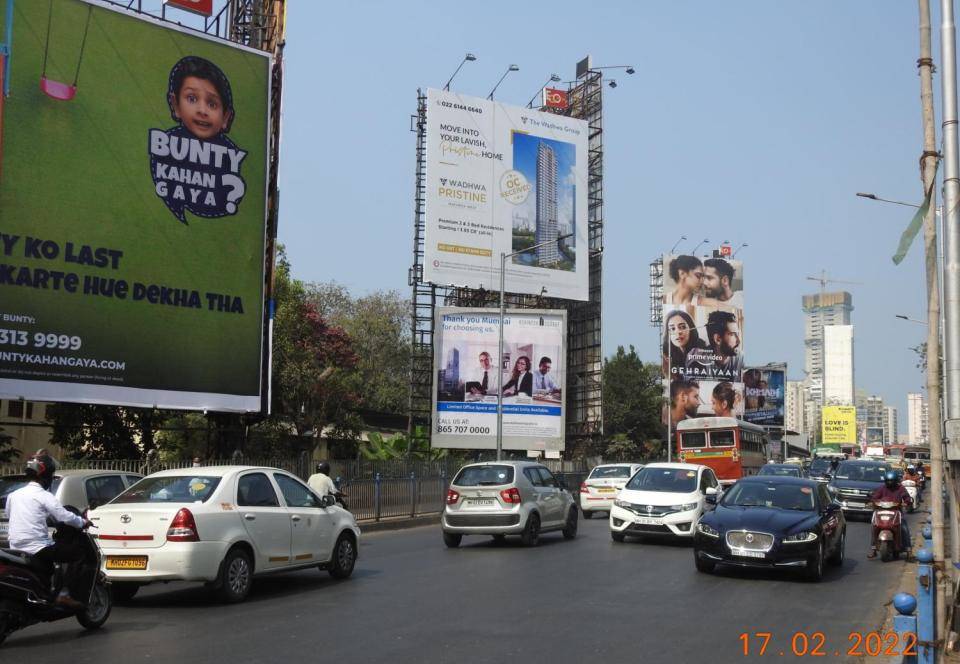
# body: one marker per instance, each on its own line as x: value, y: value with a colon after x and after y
x: 503, y: 179
x: 838, y: 425
x: 530, y: 378
x: 701, y: 340
x: 132, y: 212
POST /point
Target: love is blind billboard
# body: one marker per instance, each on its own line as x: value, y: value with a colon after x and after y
x: 132, y: 212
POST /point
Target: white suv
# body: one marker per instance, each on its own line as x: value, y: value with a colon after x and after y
x: 663, y: 499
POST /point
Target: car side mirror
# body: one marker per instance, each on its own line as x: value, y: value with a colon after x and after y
x: 710, y: 491
x: 328, y: 501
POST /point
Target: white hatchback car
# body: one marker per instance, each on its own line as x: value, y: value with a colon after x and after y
x: 221, y: 525
x: 663, y: 499
x: 600, y: 488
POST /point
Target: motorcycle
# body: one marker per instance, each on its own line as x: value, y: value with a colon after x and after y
x: 911, y: 488
x: 28, y: 593
x: 887, y: 531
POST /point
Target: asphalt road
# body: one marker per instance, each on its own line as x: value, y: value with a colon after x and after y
x: 412, y: 600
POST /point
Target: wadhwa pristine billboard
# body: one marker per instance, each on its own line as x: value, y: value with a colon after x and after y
x: 764, y: 395
x: 132, y: 212
x: 531, y: 377
x: 501, y: 179
x: 701, y: 341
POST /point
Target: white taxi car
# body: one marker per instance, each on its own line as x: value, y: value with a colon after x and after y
x: 223, y: 526
x: 663, y: 499
x: 600, y: 488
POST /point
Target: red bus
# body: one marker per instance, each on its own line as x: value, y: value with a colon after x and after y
x: 731, y: 447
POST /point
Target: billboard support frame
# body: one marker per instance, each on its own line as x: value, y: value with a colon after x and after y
x: 583, y: 401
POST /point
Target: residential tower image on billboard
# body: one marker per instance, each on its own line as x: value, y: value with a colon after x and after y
x: 133, y: 234
x: 550, y: 212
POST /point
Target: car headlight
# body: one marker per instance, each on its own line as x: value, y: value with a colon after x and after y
x: 687, y: 507
x: 622, y: 503
x: 707, y: 530
x: 807, y: 536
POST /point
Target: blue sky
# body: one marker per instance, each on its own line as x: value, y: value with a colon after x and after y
x: 749, y: 121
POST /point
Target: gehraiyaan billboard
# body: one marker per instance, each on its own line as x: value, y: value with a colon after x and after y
x: 503, y: 179
x: 132, y: 212
x: 530, y: 378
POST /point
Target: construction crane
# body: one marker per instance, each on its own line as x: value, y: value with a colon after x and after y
x: 823, y: 280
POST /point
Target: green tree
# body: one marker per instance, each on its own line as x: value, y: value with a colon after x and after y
x: 95, y: 431
x: 632, y: 404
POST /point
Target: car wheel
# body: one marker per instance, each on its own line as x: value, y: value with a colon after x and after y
x: 531, y: 532
x: 570, y: 529
x: 705, y: 566
x: 587, y: 514
x: 123, y: 592
x: 814, y: 571
x: 837, y: 558
x: 344, y: 557
x: 236, y: 577
x: 452, y: 540
x: 618, y: 537
x: 98, y: 608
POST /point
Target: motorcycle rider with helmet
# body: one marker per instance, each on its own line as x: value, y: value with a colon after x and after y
x: 892, y: 491
x: 28, y: 509
x: 914, y: 476
x: 321, y: 482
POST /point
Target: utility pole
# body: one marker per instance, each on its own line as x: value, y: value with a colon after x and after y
x: 928, y: 168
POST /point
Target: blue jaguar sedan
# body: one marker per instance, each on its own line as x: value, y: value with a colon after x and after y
x: 773, y: 522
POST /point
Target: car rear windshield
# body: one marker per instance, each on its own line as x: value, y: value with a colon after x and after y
x: 784, y: 471
x: 819, y: 465
x: 769, y: 494
x: 861, y: 472
x: 673, y: 480
x: 170, y: 489
x: 608, y: 472
x: 484, y: 476
x: 11, y: 483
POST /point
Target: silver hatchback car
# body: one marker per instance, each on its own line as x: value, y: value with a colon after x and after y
x: 501, y: 498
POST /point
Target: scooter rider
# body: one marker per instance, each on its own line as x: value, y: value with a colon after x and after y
x: 321, y: 482
x: 28, y: 509
x: 892, y: 491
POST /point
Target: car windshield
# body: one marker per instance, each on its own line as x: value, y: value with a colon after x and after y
x: 673, y: 480
x: 770, y: 494
x: 785, y: 471
x: 861, y: 472
x: 484, y: 476
x: 11, y: 483
x: 170, y: 489
x: 610, y: 472
x: 819, y: 466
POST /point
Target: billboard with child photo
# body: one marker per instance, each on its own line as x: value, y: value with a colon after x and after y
x: 133, y: 170
x: 528, y: 379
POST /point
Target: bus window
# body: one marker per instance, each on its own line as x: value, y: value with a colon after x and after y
x: 721, y: 438
x: 692, y: 440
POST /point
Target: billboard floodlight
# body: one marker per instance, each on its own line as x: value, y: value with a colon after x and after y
x: 509, y: 69
x: 469, y: 57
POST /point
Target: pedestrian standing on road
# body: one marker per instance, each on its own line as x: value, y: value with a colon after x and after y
x: 320, y: 481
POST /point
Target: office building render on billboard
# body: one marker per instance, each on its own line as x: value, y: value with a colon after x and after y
x: 838, y: 365
x: 529, y: 379
x: 500, y: 180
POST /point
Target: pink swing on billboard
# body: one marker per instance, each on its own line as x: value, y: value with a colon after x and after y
x: 57, y: 89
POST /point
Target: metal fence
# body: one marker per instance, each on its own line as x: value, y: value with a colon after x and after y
x: 375, y: 490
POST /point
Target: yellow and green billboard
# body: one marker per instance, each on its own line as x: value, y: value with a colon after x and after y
x: 838, y: 426
x: 132, y: 211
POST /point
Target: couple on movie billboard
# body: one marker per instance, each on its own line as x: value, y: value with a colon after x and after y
x: 702, y: 345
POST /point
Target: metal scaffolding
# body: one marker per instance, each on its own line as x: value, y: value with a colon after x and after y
x: 584, y: 417
x: 656, y: 293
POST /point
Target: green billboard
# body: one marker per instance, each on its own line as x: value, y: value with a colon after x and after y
x: 133, y: 192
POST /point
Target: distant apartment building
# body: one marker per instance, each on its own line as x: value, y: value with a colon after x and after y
x: 918, y: 432
x: 794, y: 415
x: 821, y: 310
x: 891, y: 424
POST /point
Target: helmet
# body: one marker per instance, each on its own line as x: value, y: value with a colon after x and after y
x: 41, y: 467
x: 323, y: 467
x: 892, y: 479
x: 911, y: 468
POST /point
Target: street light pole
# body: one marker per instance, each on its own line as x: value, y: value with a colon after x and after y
x: 503, y: 270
